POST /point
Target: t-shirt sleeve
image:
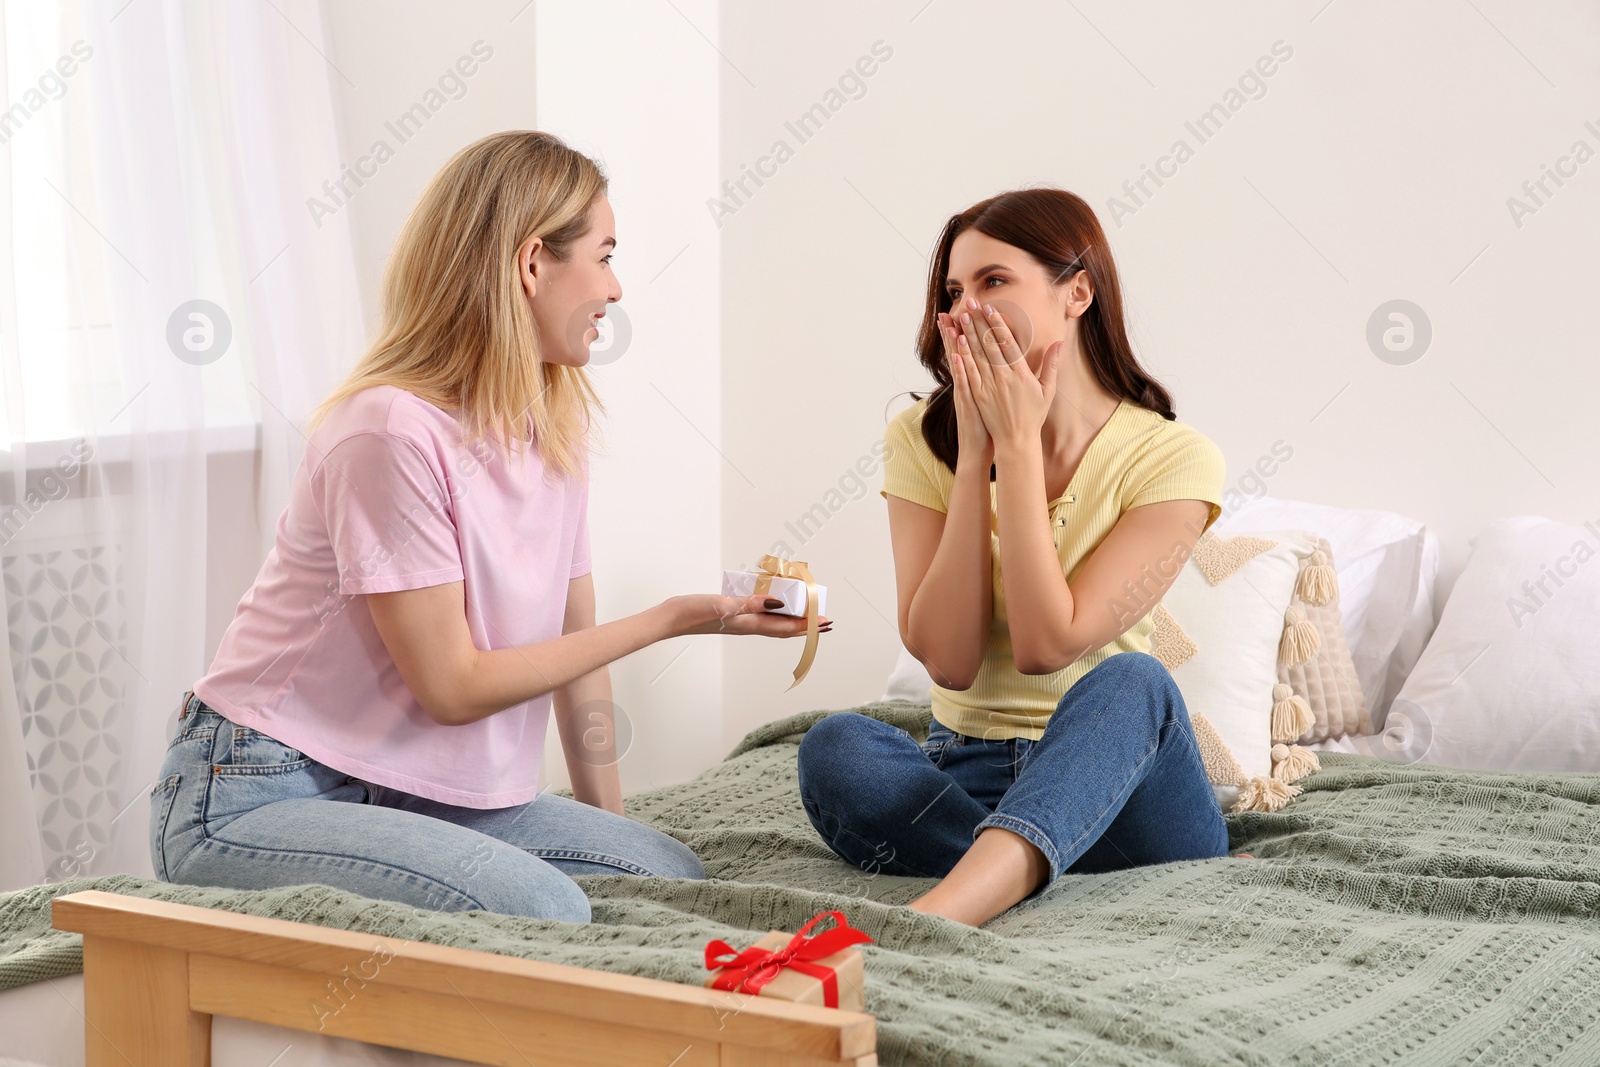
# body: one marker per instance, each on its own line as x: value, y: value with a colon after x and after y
x: 1188, y: 466
x: 906, y: 466
x: 390, y: 520
x: 581, y: 563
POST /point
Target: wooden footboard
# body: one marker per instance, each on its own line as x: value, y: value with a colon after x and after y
x: 154, y: 973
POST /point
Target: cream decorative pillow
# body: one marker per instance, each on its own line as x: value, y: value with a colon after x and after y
x: 1327, y: 681
x: 1221, y: 630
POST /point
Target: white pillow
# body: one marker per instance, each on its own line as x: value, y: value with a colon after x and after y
x: 909, y: 680
x: 1511, y: 678
x: 1386, y: 565
x: 1235, y: 627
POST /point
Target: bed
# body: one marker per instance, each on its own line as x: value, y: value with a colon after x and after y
x: 1392, y: 913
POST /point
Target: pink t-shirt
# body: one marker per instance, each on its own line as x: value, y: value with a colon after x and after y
x: 387, y: 498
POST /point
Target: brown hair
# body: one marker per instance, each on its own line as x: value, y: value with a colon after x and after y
x: 1060, y: 231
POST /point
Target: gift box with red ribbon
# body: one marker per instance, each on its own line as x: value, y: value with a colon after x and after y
x: 808, y: 969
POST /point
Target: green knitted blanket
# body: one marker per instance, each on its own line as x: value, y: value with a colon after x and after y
x: 1395, y: 914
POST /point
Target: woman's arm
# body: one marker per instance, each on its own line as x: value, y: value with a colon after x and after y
x: 942, y: 574
x: 1053, y: 623
x: 586, y: 717
x: 942, y: 562
x: 425, y: 632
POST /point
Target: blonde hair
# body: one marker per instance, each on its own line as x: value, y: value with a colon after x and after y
x: 457, y: 329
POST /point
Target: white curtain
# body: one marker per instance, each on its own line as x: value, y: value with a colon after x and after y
x: 152, y: 154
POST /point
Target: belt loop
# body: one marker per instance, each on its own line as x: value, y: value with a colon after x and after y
x: 183, y: 708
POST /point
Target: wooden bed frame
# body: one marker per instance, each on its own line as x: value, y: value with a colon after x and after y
x: 154, y: 973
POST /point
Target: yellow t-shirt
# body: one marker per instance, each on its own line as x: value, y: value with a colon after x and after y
x: 1138, y: 457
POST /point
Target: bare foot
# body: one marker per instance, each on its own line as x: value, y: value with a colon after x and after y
x: 999, y: 869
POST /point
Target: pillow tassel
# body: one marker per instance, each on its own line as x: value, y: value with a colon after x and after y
x: 1264, y: 793
x: 1291, y: 715
x: 1300, y: 638
x: 1318, y: 583
x: 1290, y: 763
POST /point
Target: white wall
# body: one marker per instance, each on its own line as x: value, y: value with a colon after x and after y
x: 1377, y: 165
x: 767, y: 352
x: 635, y: 85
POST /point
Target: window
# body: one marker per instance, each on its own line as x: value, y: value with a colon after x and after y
x: 59, y: 273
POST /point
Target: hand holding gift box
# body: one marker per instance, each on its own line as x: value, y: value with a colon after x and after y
x: 789, y: 580
x: 821, y: 969
x: 792, y: 591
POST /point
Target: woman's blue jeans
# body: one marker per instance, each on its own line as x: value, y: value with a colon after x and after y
x: 1115, y: 782
x: 235, y: 808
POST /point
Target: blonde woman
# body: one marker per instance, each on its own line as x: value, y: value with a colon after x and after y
x: 375, y: 714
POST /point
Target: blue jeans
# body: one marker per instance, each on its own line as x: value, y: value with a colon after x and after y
x: 1115, y: 782
x: 235, y: 808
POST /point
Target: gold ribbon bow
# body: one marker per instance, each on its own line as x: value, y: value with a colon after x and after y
x: 777, y: 567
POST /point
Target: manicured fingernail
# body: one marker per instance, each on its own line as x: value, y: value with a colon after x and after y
x: 966, y: 319
x: 989, y: 309
x: 773, y: 602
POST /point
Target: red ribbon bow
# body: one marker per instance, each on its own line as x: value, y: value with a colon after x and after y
x: 749, y: 971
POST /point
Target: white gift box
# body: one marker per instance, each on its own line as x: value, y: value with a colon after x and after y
x: 792, y: 591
